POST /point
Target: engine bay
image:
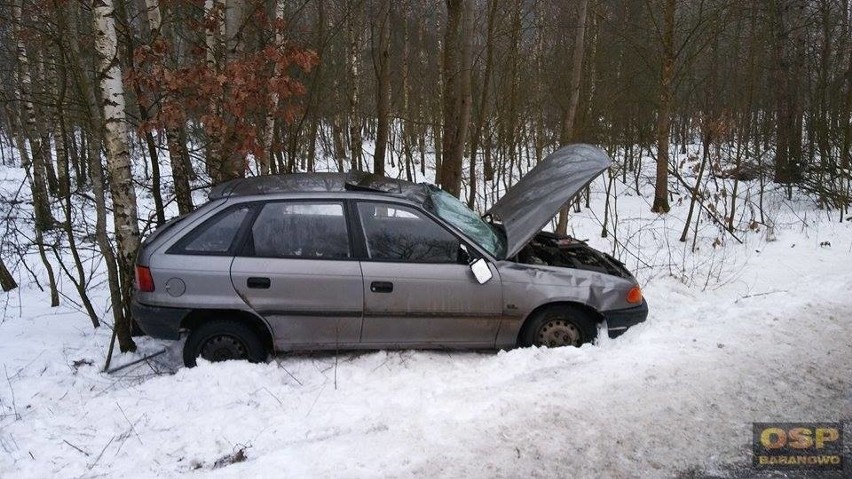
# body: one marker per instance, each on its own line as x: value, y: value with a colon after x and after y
x: 550, y: 249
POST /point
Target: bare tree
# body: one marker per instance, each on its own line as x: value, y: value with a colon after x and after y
x: 383, y: 88
x: 567, y: 131
x: 661, y: 185
x: 457, y: 93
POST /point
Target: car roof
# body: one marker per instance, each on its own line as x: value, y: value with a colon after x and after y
x: 321, y: 182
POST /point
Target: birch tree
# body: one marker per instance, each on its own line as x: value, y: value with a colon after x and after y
x: 118, y: 160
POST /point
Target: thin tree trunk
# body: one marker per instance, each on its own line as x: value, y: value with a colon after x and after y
x: 265, y: 159
x: 696, y: 190
x: 484, y: 108
x: 661, y: 185
x: 7, y: 281
x: 34, y: 163
x: 353, y: 59
x: 150, y: 143
x: 383, y: 87
x: 179, y: 159
x: 457, y: 93
x: 570, y: 117
x: 118, y: 160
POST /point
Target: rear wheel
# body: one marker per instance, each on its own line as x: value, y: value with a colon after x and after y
x: 223, y: 340
x: 558, y: 326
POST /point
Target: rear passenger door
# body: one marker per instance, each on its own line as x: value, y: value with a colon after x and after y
x: 296, y: 269
x: 418, y: 288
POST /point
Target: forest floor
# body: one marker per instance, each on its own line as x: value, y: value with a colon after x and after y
x: 737, y: 334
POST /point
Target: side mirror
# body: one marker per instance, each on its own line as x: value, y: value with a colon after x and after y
x: 481, y: 271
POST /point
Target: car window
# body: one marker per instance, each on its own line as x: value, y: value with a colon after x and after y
x: 215, y: 235
x: 300, y: 230
x: 398, y: 233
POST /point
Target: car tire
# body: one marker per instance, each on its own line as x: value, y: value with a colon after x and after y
x: 223, y: 340
x: 558, y: 326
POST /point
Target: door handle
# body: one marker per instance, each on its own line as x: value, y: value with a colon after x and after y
x: 381, y: 287
x: 258, y: 283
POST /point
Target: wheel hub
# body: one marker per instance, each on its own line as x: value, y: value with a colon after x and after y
x: 223, y: 348
x: 558, y: 332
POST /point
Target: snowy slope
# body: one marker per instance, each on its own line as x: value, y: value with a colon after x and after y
x: 742, y: 333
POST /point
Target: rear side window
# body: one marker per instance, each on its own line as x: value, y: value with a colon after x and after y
x: 215, y: 236
x: 398, y: 233
x: 315, y: 230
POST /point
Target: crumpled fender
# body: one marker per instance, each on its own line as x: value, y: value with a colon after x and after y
x: 527, y: 287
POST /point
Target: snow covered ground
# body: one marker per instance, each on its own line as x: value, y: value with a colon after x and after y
x: 737, y: 334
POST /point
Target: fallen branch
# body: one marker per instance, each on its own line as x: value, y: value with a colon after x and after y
x: 131, y: 363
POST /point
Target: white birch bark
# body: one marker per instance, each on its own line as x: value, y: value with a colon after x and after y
x: 33, y: 165
x: 117, y: 145
x: 353, y: 59
x: 269, y: 128
x: 155, y: 18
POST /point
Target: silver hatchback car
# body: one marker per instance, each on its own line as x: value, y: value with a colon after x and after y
x: 333, y: 261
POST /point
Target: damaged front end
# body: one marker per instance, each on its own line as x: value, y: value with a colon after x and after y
x: 562, y: 268
x: 550, y: 249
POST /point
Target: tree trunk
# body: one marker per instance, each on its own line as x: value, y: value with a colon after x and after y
x: 353, y: 59
x: 7, y: 281
x: 661, y: 186
x: 118, y: 160
x: 150, y: 143
x: 484, y: 108
x: 179, y: 159
x: 265, y: 159
x: 457, y: 93
x: 570, y: 117
x: 383, y: 87
x: 783, y: 107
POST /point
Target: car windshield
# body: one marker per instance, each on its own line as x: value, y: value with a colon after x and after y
x: 456, y: 213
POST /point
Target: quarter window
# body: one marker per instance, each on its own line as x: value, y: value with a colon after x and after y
x: 398, y: 233
x: 216, y: 235
x: 300, y: 230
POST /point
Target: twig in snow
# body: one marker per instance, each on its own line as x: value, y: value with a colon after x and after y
x: 290, y: 374
x: 77, y: 448
x: 90, y: 466
x: 12, y: 390
x: 273, y: 396
x: 128, y: 422
x: 111, y: 348
x: 131, y: 363
x: 760, y: 294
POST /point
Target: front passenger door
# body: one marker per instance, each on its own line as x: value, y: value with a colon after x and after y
x: 418, y: 289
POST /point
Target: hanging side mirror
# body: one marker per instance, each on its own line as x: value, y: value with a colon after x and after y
x: 481, y: 270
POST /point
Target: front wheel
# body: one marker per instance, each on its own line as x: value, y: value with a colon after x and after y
x: 223, y: 340
x: 558, y: 326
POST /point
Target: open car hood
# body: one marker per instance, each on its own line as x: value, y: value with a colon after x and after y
x: 536, y: 198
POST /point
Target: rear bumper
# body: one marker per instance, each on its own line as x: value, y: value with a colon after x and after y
x: 618, y: 320
x: 158, y: 322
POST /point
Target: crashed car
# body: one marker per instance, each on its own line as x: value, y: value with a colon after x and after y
x: 334, y: 261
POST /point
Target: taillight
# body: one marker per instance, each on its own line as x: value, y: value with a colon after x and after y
x: 634, y: 295
x: 144, y: 280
